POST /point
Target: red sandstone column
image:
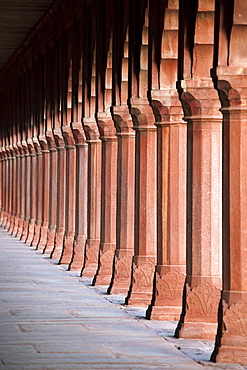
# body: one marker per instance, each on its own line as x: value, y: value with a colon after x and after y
x: 4, y: 188
x: 52, y: 193
x: 67, y: 252
x: 108, y: 199
x: 4, y: 185
x: 231, y: 340
x: 81, y: 197
x: 33, y: 191
x: 8, y: 187
x: 22, y: 191
x: 27, y: 190
x: 1, y: 184
x: 45, y: 190
x: 12, y: 188
x: 125, y: 201
x: 39, y: 196
x: 145, y: 203
x: 171, y: 206
x: 94, y: 197
x: 61, y: 186
x: 17, y: 189
x: 203, y: 282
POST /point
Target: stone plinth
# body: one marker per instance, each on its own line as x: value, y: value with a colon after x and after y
x: 168, y: 292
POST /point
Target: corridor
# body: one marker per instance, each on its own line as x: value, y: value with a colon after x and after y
x: 53, y: 319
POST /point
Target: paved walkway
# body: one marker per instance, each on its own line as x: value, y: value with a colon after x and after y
x: 51, y: 318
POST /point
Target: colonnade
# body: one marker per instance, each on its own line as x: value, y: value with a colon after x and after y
x: 123, y: 128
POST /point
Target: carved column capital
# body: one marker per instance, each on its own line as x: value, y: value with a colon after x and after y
x: 231, y: 83
x: 123, y: 120
x: 91, y: 129
x: 20, y: 148
x: 36, y: 145
x: 142, y: 114
x: 31, y: 147
x: 79, y: 133
x: 16, y: 150
x: 199, y: 99
x: 167, y: 107
x: 68, y: 137
x: 43, y: 143
x: 59, y: 139
x: 50, y: 140
x: 106, y: 126
x: 24, y: 146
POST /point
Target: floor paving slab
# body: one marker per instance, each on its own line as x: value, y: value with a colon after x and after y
x: 53, y: 319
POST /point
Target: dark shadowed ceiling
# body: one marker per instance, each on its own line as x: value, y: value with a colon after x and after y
x: 17, y: 18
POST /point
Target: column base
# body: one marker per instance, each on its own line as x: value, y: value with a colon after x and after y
x: 15, y: 228
x: 5, y: 220
x: 20, y: 228
x: 30, y: 234
x: 141, y: 290
x: 121, y: 278
x: 231, y: 340
x: 24, y: 231
x: 67, y: 252
x: 58, y: 247
x: 1, y: 218
x: 11, y: 225
x: 139, y: 299
x: 168, y: 293
x: 91, y: 258
x: 197, y: 330
x: 50, y: 240
x: 200, y: 310
x: 43, y: 237
x: 78, y: 253
x: 169, y: 313
x: 104, y: 274
x: 8, y: 220
x: 36, y: 236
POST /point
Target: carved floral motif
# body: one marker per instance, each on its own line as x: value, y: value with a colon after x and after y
x: 170, y: 285
x: 106, y: 259
x: 143, y: 276
x: 203, y: 300
x: 123, y: 267
x: 235, y: 318
x: 92, y: 252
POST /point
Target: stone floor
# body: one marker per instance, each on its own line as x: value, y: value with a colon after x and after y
x: 51, y: 318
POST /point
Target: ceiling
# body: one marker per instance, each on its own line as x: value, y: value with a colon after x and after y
x: 17, y: 18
